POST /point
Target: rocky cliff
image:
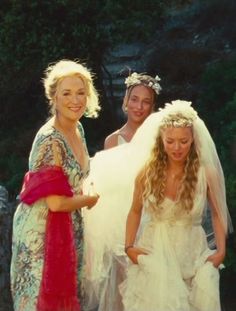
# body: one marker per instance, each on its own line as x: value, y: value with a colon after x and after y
x: 187, y: 42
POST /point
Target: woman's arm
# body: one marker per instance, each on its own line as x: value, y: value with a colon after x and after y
x: 58, y: 203
x: 133, y: 221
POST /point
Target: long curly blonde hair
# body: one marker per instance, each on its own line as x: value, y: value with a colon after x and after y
x: 154, y: 174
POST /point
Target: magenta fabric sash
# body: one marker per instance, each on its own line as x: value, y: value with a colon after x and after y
x: 58, y: 290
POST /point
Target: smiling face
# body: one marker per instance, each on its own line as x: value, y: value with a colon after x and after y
x: 140, y: 103
x: 70, y: 98
x: 177, y: 142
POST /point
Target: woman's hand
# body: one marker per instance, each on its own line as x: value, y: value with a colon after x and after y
x: 92, y: 200
x: 217, y: 258
x: 134, y: 252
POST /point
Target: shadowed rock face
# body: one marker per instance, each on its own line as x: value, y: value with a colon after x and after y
x: 190, y: 40
x: 6, y: 215
x: 186, y: 43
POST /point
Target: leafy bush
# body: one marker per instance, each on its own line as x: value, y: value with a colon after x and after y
x: 217, y: 105
x: 36, y: 33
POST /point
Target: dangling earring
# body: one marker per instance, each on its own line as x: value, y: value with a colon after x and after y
x: 125, y: 102
x: 124, y: 106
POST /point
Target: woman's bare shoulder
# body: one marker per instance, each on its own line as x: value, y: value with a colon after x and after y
x: 111, y: 140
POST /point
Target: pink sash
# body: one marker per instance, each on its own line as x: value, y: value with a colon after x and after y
x: 58, y: 290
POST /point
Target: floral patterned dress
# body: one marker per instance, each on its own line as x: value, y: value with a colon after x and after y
x: 49, y: 148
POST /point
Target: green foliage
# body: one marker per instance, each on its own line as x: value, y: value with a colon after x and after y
x: 217, y: 105
x: 127, y: 21
x: 14, y: 149
x: 230, y: 261
x: 217, y: 101
x: 12, y: 172
x: 33, y: 34
x: 36, y: 33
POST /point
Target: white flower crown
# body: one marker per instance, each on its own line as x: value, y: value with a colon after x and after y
x: 178, y: 113
x: 138, y: 78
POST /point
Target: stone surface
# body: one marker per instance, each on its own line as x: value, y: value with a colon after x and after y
x: 179, y: 51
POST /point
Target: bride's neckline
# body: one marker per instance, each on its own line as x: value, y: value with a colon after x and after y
x: 170, y: 199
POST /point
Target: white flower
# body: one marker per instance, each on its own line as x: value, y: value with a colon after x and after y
x: 136, y: 79
x: 132, y: 79
x: 156, y: 87
x: 178, y: 113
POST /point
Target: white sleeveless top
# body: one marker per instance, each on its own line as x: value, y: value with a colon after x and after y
x: 121, y: 140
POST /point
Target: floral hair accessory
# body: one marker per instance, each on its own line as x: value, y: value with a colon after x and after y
x: 143, y: 79
x: 178, y: 113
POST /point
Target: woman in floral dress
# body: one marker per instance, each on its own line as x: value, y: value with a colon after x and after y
x: 47, y: 251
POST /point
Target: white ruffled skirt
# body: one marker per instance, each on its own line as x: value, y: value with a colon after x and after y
x: 175, y: 275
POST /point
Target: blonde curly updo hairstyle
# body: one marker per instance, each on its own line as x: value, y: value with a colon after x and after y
x: 65, y: 68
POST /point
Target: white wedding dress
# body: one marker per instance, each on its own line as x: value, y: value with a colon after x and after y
x: 174, y: 275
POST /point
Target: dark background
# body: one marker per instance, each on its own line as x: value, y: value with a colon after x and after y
x: 190, y: 44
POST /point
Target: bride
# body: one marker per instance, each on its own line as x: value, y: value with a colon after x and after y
x: 173, y: 164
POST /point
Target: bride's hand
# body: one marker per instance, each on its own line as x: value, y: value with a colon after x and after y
x: 216, y: 259
x: 134, y: 252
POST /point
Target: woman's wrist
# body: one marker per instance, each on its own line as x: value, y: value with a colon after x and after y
x: 221, y: 254
x: 128, y: 247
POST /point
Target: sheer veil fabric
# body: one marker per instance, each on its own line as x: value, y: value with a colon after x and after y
x: 113, y: 172
x: 104, y: 225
